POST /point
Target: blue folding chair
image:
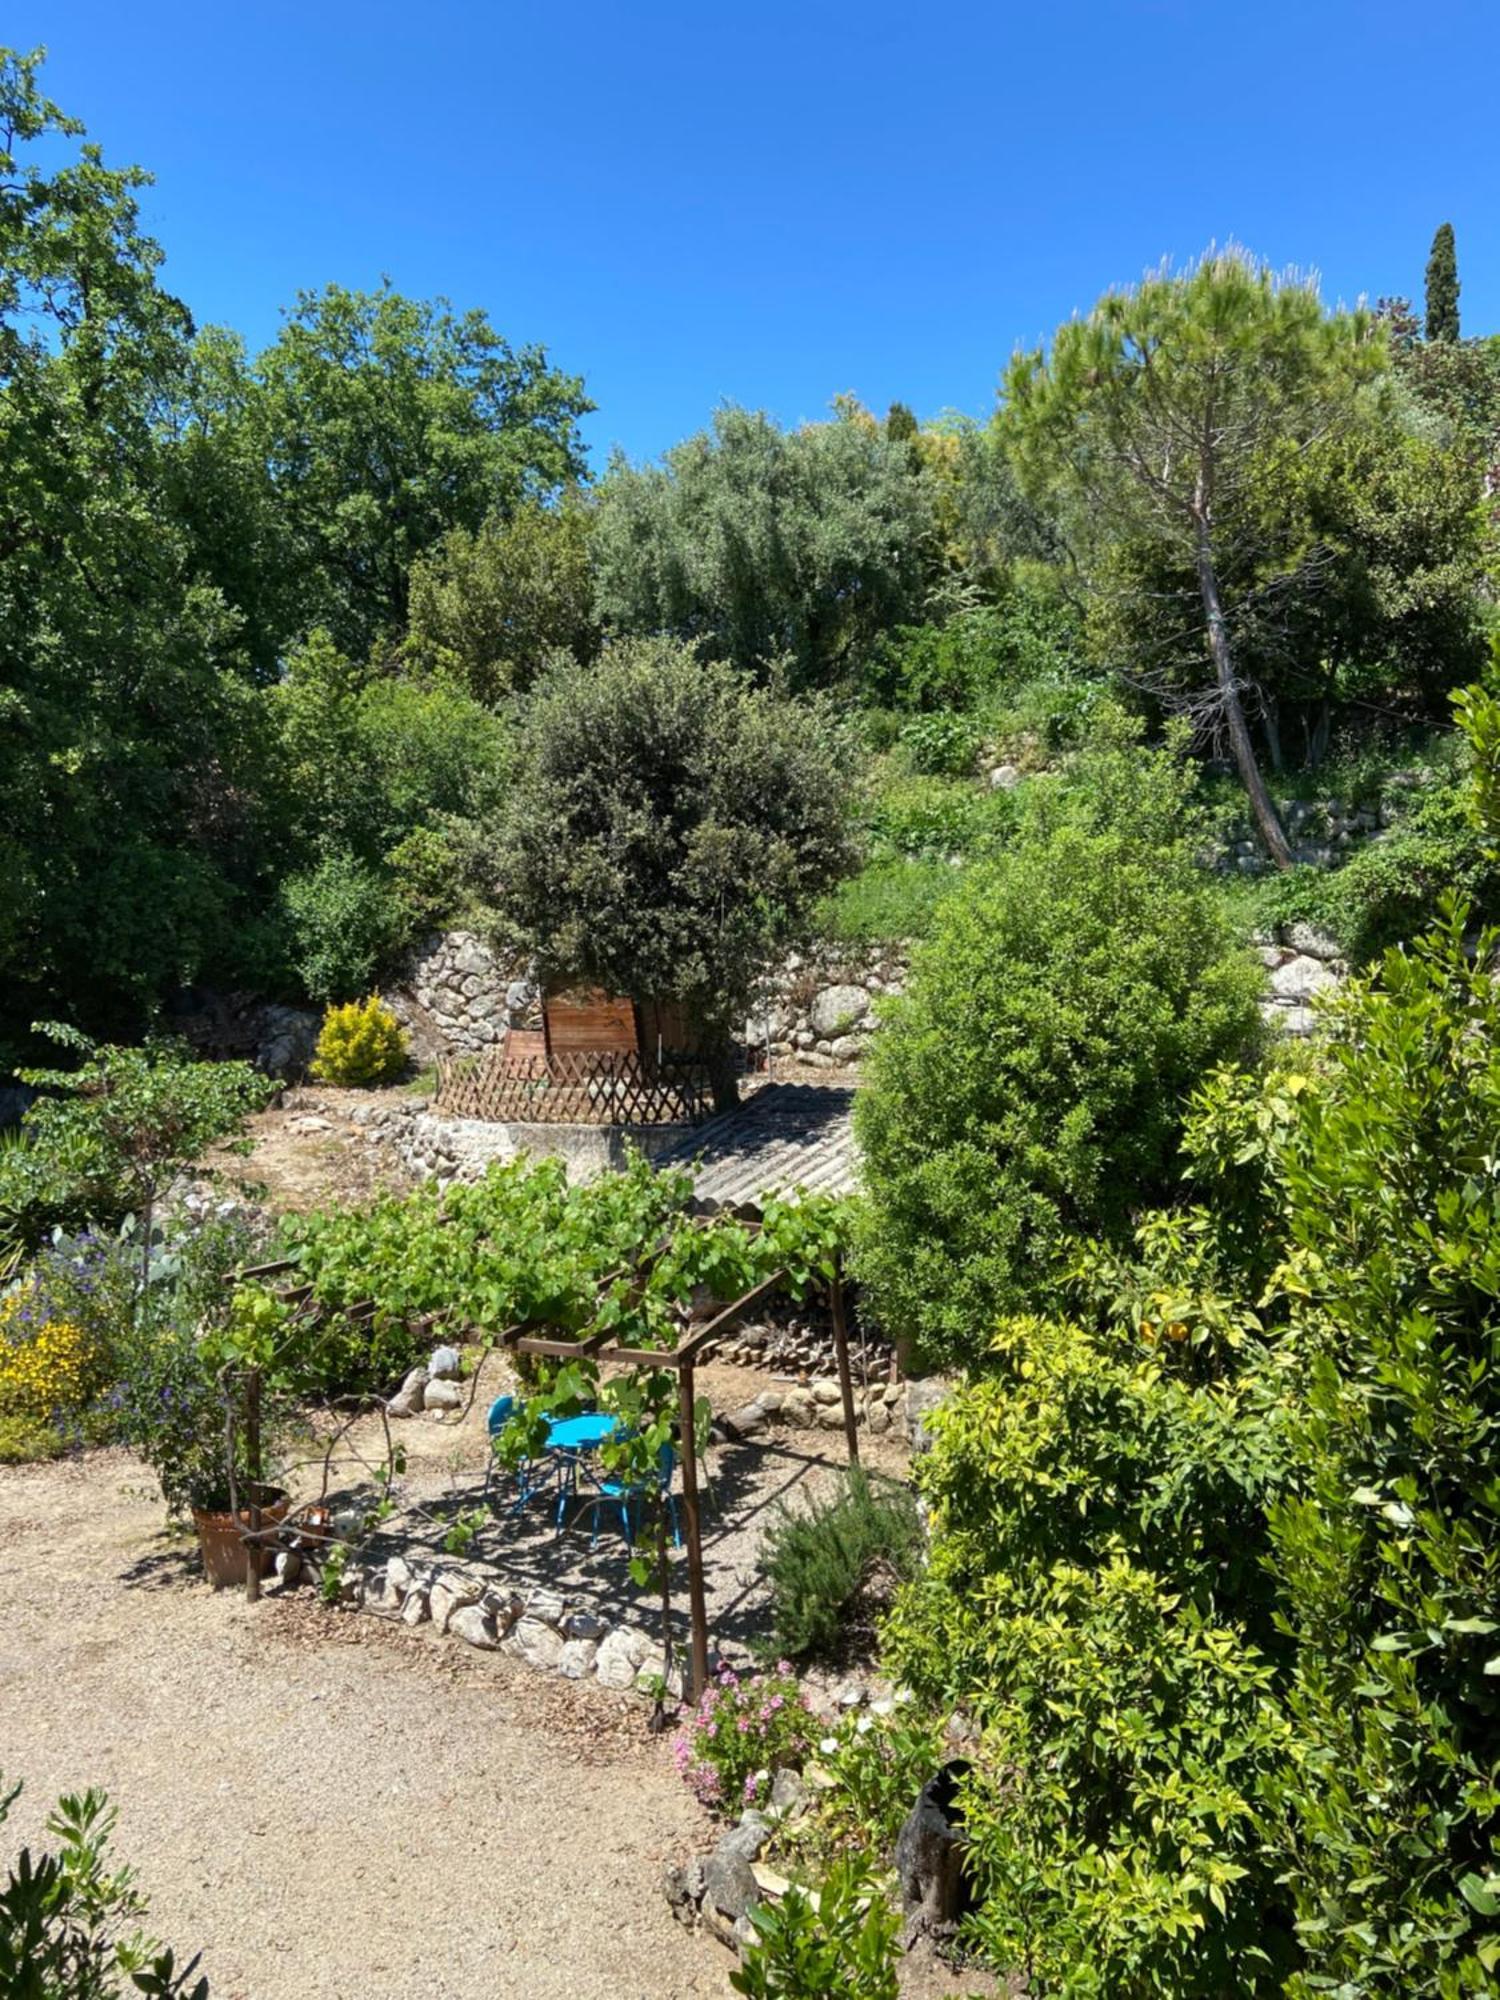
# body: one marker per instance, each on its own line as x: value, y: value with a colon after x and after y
x: 500, y: 1413
x: 615, y: 1492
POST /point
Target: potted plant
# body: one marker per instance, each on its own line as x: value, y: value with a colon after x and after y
x: 193, y: 1407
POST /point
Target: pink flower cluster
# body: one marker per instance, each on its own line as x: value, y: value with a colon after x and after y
x: 745, y: 1727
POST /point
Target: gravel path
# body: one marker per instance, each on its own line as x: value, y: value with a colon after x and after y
x: 330, y: 1808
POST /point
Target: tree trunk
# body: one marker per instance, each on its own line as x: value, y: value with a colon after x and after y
x: 1261, y: 803
x: 1272, y: 724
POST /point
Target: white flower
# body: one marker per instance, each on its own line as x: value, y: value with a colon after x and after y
x: 829, y: 1745
x: 865, y: 1724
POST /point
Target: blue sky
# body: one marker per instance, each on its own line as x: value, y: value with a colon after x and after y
x: 772, y: 204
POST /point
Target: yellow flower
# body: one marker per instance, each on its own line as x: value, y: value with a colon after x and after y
x: 46, y: 1365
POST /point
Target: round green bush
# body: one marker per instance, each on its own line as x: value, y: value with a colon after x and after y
x: 1031, y: 1081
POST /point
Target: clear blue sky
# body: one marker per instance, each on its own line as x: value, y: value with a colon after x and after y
x: 774, y: 203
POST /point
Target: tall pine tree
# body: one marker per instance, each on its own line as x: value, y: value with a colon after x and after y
x: 1442, y: 286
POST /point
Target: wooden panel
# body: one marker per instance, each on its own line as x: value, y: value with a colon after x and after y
x: 589, y: 1020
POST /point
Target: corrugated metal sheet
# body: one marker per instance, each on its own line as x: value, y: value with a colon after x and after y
x: 788, y: 1135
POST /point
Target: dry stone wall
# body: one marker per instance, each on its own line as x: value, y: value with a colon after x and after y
x: 818, y: 1009
x: 457, y: 995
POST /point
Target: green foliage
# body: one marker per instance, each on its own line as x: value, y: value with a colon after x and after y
x: 70, y: 1924
x: 801, y: 545
x: 1386, y: 892
x: 29, y: 1440
x: 841, y: 1947
x: 1031, y: 1080
x: 745, y: 1728
x: 1478, y: 713
x: 1442, y: 286
x: 1095, y: 1598
x: 822, y: 1560
x: 878, y: 1759
x: 668, y: 824
x: 108, y: 1135
x: 129, y: 736
x: 941, y: 745
x: 980, y: 656
x: 341, y: 926
x: 386, y: 422
x: 1249, y: 368
x: 360, y: 1043
x: 491, y: 609
x: 895, y: 899
x: 1387, y: 1550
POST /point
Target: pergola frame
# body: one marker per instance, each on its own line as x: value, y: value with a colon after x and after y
x: 599, y: 1347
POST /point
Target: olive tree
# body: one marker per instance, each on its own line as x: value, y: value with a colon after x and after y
x: 1154, y: 415
x: 767, y: 544
x: 668, y: 825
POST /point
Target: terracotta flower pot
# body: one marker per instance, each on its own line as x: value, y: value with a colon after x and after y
x: 225, y: 1554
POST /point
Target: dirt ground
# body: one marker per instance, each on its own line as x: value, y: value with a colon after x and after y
x: 331, y: 1806
x: 306, y: 1151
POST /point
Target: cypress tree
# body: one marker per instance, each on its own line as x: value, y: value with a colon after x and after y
x: 900, y: 423
x: 1442, y: 286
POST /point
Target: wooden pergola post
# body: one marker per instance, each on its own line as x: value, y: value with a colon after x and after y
x: 841, y: 1349
x: 698, y: 1677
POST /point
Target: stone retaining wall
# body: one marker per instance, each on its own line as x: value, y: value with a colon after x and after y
x: 457, y: 994
x: 817, y: 1010
x: 462, y: 1149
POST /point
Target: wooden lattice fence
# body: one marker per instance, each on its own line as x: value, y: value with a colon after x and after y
x: 574, y: 1087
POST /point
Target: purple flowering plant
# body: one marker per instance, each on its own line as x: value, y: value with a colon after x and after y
x: 745, y: 1728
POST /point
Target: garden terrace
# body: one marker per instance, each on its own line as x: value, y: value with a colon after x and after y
x: 628, y: 1338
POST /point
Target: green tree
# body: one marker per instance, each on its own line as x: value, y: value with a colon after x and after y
x: 130, y: 742
x: 490, y: 608
x: 1031, y: 1081
x: 1151, y: 416
x: 669, y: 824
x: 1442, y: 286
x: 386, y: 422
x: 766, y: 543
x: 1387, y: 1550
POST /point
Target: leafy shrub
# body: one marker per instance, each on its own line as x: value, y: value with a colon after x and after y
x: 341, y: 920
x: 427, y: 883
x: 745, y: 1727
x: 70, y: 1925
x: 878, y: 1758
x: 938, y: 817
x: 1388, y: 1549
x: 1386, y: 892
x: 360, y: 1043
x: 841, y: 1948
x: 822, y: 1559
x: 894, y: 899
x: 107, y: 1136
x: 1030, y: 636
x: 1095, y: 1597
x: 1031, y: 1080
x: 941, y: 745
x: 28, y: 1440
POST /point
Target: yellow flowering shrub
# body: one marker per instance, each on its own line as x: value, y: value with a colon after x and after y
x: 46, y: 1364
x: 360, y: 1043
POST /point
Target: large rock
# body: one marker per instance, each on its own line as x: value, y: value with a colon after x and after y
x: 622, y: 1654
x: 442, y: 1396
x: 410, y: 1398
x: 729, y: 1883
x: 472, y: 1623
x: 576, y: 1660
x: 1312, y: 942
x: 1301, y: 978
x: 444, y: 1365
x: 450, y: 1592
x: 836, y: 1009
x: 538, y: 1644
x: 922, y: 1398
